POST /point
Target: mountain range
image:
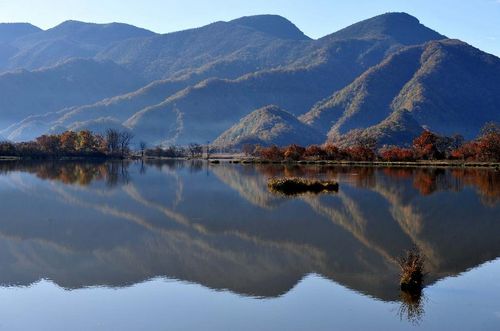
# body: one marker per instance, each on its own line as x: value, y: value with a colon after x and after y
x: 254, y: 79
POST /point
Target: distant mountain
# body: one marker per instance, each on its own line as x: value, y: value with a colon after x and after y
x: 244, y: 45
x: 72, y: 83
x: 401, y: 27
x: 35, y: 48
x: 269, y: 126
x: 447, y: 86
x: 273, y: 25
x: 362, y: 77
x: 11, y: 31
x: 201, y: 113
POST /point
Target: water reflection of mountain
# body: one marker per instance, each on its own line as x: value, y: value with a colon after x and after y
x: 129, y: 223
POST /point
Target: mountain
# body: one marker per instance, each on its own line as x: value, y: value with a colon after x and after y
x: 244, y: 45
x: 269, y: 126
x: 12, y: 31
x: 203, y: 112
x: 400, y: 128
x: 35, y: 48
x: 212, y: 77
x: 272, y: 25
x: 74, y: 82
x: 448, y: 87
x: 401, y: 27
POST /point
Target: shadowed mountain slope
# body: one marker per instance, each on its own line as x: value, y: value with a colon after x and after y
x: 448, y: 87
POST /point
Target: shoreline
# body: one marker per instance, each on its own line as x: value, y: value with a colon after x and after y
x: 381, y: 164
x: 250, y: 161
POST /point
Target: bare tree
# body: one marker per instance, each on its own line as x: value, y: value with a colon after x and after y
x: 125, y: 137
x: 112, y: 137
x: 142, y: 146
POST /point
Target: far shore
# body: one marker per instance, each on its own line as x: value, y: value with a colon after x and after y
x: 429, y: 164
x: 239, y: 159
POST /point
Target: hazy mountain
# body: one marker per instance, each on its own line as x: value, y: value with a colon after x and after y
x: 32, y: 48
x: 12, y: 31
x: 448, y: 87
x: 269, y: 126
x: 252, y: 43
x: 218, y: 74
x: 74, y: 82
x: 203, y: 112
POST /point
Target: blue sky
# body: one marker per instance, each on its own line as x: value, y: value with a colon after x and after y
x: 474, y: 21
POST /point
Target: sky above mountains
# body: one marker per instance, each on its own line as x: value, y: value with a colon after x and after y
x: 474, y: 21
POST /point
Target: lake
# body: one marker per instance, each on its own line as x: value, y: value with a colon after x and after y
x: 194, y: 246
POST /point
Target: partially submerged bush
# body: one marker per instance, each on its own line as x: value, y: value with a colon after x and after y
x: 412, y: 306
x: 412, y: 271
x: 294, y: 186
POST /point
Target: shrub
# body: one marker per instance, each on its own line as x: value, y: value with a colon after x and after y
x: 294, y: 186
x: 396, y: 154
x: 412, y: 270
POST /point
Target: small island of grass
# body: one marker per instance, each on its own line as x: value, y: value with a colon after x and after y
x: 295, y: 186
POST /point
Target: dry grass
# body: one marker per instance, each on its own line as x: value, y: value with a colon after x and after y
x: 412, y: 306
x: 294, y: 186
x: 412, y: 271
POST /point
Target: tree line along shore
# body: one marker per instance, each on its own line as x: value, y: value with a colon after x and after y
x: 429, y: 149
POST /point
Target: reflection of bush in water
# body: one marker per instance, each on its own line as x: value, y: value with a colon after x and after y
x: 411, y: 283
x: 412, y: 306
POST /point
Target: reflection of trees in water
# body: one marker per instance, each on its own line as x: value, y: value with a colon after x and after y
x: 430, y: 180
x: 73, y: 172
x: 116, y: 173
x: 426, y: 180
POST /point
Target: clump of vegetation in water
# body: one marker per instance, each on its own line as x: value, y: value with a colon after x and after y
x: 412, y: 271
x: 412, y: 306
x: 295, y: 186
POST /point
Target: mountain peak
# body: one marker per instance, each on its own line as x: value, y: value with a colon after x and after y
x: 272, y: 24
x: 267, y: 126
x: 402, y: 27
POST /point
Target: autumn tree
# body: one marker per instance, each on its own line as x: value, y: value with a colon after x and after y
x: 396, y: 154
x: 294, y: 152
x: 332, y: 152
x: 49, y: 144
x: 425, y: 146
x: 315, y: 152
x: 489, y: 143
x: 273, y: 153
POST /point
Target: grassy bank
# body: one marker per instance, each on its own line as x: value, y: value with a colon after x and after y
x: 436, y: 164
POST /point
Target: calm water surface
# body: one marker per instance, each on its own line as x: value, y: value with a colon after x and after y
x: 191, y: 246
